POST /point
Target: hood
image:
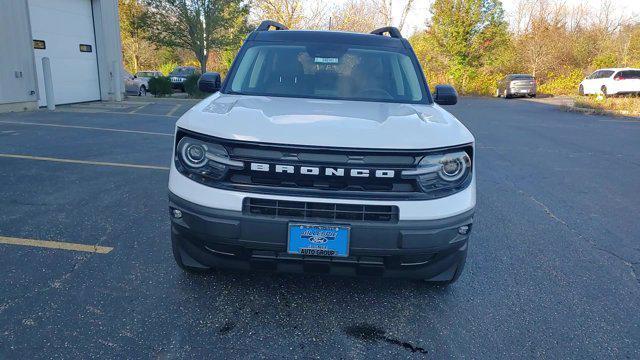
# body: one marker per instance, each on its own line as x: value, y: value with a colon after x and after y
x: 332, y: 123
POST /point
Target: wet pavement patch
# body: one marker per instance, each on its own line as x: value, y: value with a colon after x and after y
x: 371, y: 333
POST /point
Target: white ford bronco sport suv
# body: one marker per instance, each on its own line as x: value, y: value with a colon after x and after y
x: 324, y: 152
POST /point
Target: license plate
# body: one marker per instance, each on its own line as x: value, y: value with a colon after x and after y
x: 318, y: 240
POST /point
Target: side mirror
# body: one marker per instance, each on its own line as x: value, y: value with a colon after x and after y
x: 210, y: 82
x: 445, y: 95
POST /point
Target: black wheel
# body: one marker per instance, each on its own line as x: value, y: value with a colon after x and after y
x: 142, y: 91
x: 180, y: 261
x: 532, y: 95
x: 506, y: 95
x: 581, y: 90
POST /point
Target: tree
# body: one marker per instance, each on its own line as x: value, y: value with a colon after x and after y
x: 290, y: 13
x: 198, y: 25
x: 357, y: 15
x: 367, y: 15
x: 405, y: 12
x: 541, y: 40
x: 134, y: 24
x: 464, y: 41
x: 385, y: 8
x: 468, y: 30
x: 294, y: 14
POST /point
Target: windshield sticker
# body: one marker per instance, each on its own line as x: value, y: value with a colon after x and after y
x: 321, y: 60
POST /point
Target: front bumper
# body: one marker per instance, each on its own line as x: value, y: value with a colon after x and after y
x: 425, y: 249
x: 524, y: 91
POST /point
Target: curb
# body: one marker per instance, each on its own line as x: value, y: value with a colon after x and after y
x: 590, y: 111
x: 153, y: 99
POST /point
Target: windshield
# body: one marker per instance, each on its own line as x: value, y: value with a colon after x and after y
x: 628, y: 74
x: 182, y: 71
x: 145, y: 74
x: 327, y: 71
x: 521, y: 77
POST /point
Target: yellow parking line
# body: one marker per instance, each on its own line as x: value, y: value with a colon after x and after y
x: 72, y: 161
x: 85, y: 127
x: 174, y: 109
x: 139, y: 107
x: 111, y: 112
x: 56, y: 245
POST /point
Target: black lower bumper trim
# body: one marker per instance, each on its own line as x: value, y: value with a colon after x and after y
x: 230, y: 239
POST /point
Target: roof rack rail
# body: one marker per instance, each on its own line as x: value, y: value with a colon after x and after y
x: 391, y: 30
x: 268, y: 24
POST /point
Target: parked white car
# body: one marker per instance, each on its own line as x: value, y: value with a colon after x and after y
x: 615, y: 81
x: 139, y: 83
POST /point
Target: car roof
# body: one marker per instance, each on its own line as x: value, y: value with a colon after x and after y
x: 334, y: 37
x: 617, y: 69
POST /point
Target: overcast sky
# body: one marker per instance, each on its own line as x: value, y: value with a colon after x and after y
x: 417, y: 18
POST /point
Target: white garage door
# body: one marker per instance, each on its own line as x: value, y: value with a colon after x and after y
x: 63, y: 29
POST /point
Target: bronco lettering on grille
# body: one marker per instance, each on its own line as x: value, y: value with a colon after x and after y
x: 324, y: 171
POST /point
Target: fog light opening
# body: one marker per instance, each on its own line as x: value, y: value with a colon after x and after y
x: 177, y: 213
x: 463, y: 230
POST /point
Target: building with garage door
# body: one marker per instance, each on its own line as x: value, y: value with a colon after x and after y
x: 81, y: 39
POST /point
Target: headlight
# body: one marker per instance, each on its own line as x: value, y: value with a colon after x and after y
x: 442, y: 174
x: 197, y: 157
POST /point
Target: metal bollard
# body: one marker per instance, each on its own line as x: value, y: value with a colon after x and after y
x: 117, y: 81
x: 48, y: 83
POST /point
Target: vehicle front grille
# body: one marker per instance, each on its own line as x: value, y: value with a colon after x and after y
x: 345, y: 159
x: 337, y: 184
x: 338, y: 172
x: 320, y: 211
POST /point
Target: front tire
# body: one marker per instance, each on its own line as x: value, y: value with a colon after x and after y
x: 142, y: 91
x: 506, y: 94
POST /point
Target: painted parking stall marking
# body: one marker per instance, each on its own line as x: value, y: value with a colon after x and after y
x: 84, y: 162
x: 60, y: 245
x: 85, y: 128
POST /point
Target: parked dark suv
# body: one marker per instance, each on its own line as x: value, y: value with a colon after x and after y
x: 516, y: 85
x: 180, y: 74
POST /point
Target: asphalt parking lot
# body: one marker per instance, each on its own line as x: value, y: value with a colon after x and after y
x: 553, y: 269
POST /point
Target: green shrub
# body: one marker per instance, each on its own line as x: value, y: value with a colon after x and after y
x: 562, y: 84
x: 166, y: 68
x: 481, y: 84
x: 191, y: 87
x: 160, y: 86
x: 470, y: 81
x: 604, y: 61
